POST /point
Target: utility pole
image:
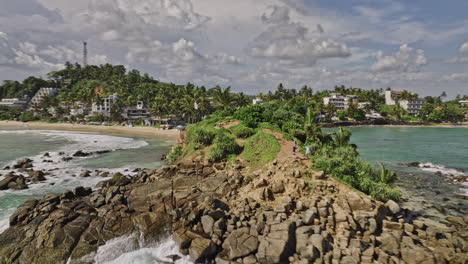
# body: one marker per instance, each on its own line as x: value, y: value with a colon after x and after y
x: 85, y: 54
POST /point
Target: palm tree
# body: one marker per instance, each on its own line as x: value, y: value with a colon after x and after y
x: 223, y: 97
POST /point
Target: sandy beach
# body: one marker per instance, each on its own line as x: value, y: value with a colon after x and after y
x: 137, y: 131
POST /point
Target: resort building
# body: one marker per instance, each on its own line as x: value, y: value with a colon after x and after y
x: 138, y: 112
x: 412, y: 105
x: 42, y: 93
x: 464, y: 102
x: 14, y: 102
x: 104, y: 108
x: 339, y: 101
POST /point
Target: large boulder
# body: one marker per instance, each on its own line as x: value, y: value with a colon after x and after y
x: 279, y: 244
x: 393, y: 207
x: 202, y: 250
x: 240, y: 244
x: 37, y: 176
x: 356, y: 202
x: 18, y: 184
x: 7, y: 180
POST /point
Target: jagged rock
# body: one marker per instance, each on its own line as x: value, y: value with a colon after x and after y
x: 18, y: 183
x: 37, y: 176
x: 389, y: 243
x: 24, y: 163
x: 393, y: 207
x: 85, y: 174
x: 202, y: 249
x: 7, y: 180
x: 80, y: 153
x: 278, y: 187
x: 309, y: 216
x: 207, y: 224
x: 261, y: 183
x: 118, y: 179
x: 240, y: 244
x: 356, y: 202
x: 278, y: 245
x: 81, y: 191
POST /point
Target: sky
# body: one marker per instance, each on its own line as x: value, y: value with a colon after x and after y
x: 249, y: 45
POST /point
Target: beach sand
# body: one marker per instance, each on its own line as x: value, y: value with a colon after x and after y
x: 137, y: 131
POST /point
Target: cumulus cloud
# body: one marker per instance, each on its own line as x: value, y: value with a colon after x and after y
x: 139, y: 20
x: 407, y: 59
x: 458, y: 60
x: 464, y: 48
x: 290, y: 43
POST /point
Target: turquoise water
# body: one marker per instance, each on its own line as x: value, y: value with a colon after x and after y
x: 438, y: 149
x: 439, y: 145
x: 127, y: 152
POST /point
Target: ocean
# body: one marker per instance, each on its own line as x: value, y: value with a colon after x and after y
x: 433, y: 196
x: 126, y: 153
x: 437, y: 149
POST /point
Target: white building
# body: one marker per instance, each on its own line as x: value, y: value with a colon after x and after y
x: 14, y: 102
x: 44, y: 92
x: 413, y: 106
x: 138, y: 112
x: 257, y: 101
x: 339, y: 101
x: 104, y: 108
x: 464, y: 102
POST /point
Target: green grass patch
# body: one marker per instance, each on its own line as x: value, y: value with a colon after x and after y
x: 242, y: 131
x: 260, y: 149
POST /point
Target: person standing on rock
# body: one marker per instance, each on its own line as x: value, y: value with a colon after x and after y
x: 307, y: 151
x: 294, y: 148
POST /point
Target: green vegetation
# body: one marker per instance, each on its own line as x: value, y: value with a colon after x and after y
x: 260, y: 149
x: 241, y: 131
x: 175, y: 154
x: 224, y: 145
x: 341, y: 160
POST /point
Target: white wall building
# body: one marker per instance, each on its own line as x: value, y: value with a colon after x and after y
x: 464, y: 102
x: 339, y: 101
x: 413, y: 106
x: 257, y: 101
x: 14, y: 102
x: 42, y: 93
x: 104, y: 108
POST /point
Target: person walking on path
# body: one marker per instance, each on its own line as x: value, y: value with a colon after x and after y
x: 307, y: 151
x: 294, y: 148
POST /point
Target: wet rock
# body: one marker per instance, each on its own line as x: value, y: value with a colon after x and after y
x: 240, y: 244
x: 9, y: 178
x: 37, y: 176
x: 80, y: 153
x: 19, y: 183
x: 85, y: 174
x: 66, y: 159
x: 414, y: 164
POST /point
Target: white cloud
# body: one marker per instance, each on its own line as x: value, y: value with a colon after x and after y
x: 290, y: 43
x: 464, y: 48
x: 457, y: 77
x: 458, y: 60
x: 407, y: 59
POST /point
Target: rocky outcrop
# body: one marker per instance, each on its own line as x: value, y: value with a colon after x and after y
x: 226, y: 214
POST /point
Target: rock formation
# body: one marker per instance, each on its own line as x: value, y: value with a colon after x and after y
x: 225, y: 213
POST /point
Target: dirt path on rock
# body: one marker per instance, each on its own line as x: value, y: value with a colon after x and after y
x: 286, y: 151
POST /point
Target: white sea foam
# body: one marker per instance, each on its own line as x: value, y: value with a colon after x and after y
x: 447, y: 172
x: 63, y: 175
x: 444, y: 170
x: 132, y: 249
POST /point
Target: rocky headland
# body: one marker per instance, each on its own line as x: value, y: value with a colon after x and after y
x: 284, y: 212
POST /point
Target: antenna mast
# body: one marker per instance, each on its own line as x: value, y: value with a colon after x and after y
x: 85, y: 54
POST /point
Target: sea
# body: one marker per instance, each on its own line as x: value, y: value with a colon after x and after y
x: 126, y: 153
x: 431, y: 194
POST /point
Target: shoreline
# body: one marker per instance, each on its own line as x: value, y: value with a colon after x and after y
x: 172, y: 135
